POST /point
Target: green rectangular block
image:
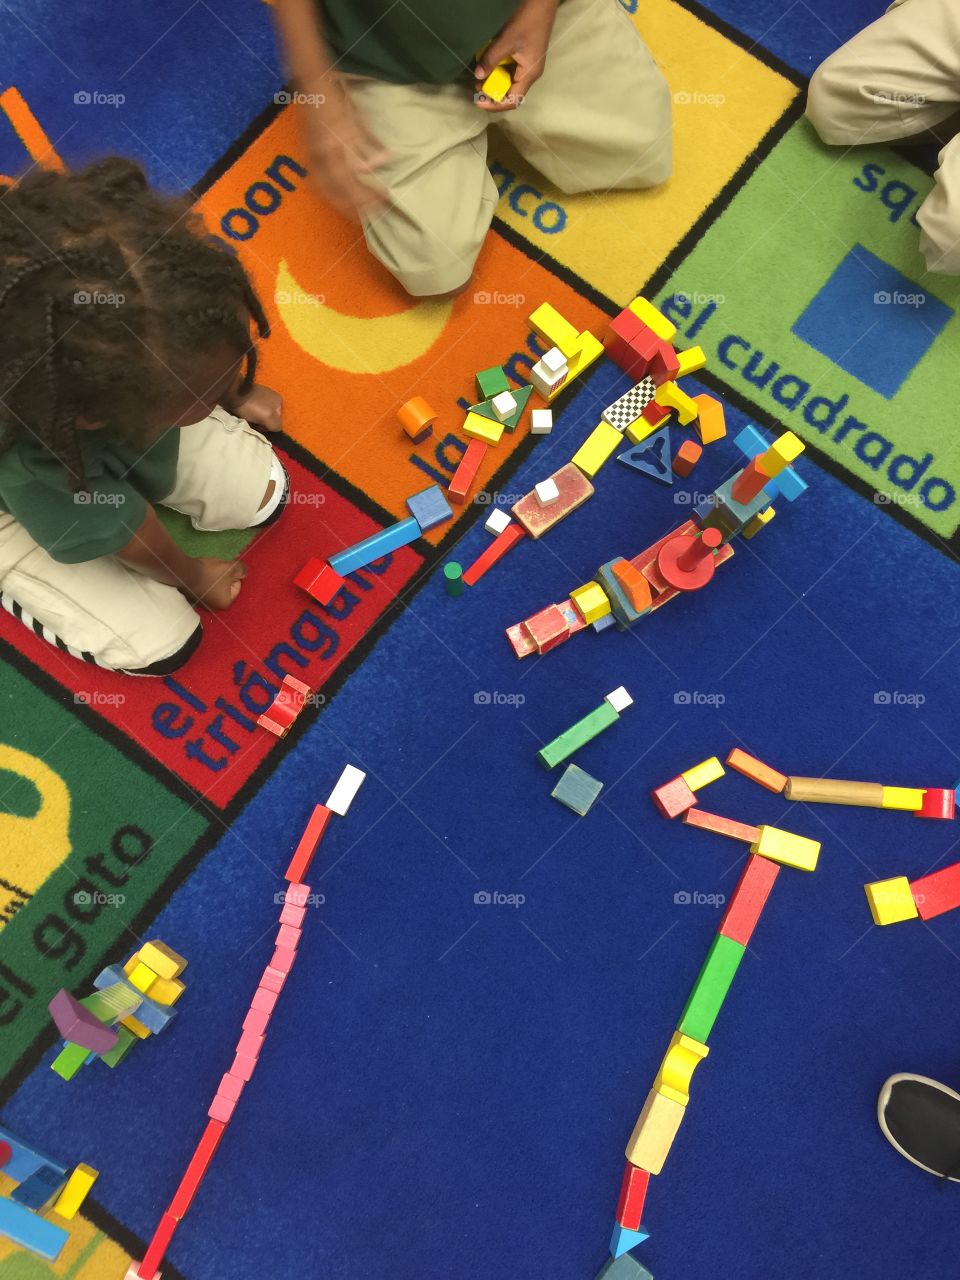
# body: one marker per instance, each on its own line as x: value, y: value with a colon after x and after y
x: 112, y: 1003
x: 577, y: 736
x: 492, y: 381
x: 69, y: 1060
x: 125, y: 1042
x: 577, y: 790
x: 711, y: 987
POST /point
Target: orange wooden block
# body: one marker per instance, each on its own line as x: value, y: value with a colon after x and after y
x: 417, y: 418
x: 635, y: 586
x: 722, y: 826
x: 711, y: 424
x: 756, y: 770
x: 686, y: 458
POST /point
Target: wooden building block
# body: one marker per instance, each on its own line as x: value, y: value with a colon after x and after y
x: 686, y: 458
x: 548, y: 628
x: 319, y: 580
x: 142, y: 977
x: 891, y: 901
x: 865, y: 795
x: 633, y: 1193
x: 196, y: 1169
x: 785, y: 450
x: 163, y: 960
x: 417, y: 418
x: 648, y: 314
x: 429, y: 507
x: 547, y: 323
x: 578, y: 735
x: 150, y: 1266
x: 786, y: 848
x: 546, y: 491
x: 497, y: 549
x: 343, y: 794
x: 635, y: 585
x: 710, y: 989
x: 938, y: 802
x: 453, y: 578
x: 574, y: 488
x: 630, y: 406
x: 758, y: 523
x: 75, y: 1192
x: 748, y: 898
x: 577, y: 790
x: 80, y: 1026
x: 307, y: 845
x: 623, y: 1267
x: 541, y: 422
x: 653, y: 1134
x: 757, y: 771
x: 908, y: 798
x: 504, y: 406
x: 673, y: 797
x: 711, y: 423
x: 683, y: 1056
x: 599, y: 445
x: 496, y: 521
x: 488, y: 430
x: 379, y: 544
x: 690, y: 361
x: 28, y: 1230
x: 623, y: 1239
x: 938, y: 892
x: 671, y: 396
x: 697, y: 817
x: 167, y: 991
x: 466, y: 472
x: 591, y: 601
x: 700, y: 775
x: 490, y: 382
x: 43, y: 1185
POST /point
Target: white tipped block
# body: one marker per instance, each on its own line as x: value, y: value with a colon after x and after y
x: 541, y: 422
x: 619, y: 699
x: 546, y: 492
x: 554, y: 361
x: 341, y: 797
x: 497, y: 521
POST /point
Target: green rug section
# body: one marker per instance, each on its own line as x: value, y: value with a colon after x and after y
x: 807, y: 212
x: 86, y: 838
x: 225, y: 545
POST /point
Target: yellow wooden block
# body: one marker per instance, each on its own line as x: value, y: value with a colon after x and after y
x: 759, y: 521
x: 671, y: 397
x: 691, y: 360
x: 167, y: 991
x: 910, y: 798
x: 549, y: 324
x: 497, y: 84
x: 75, y: 1192
x: 163, y: 960
x: 586, y: 350
x: 654, y: 1132
x: 653, y: 319
x: 789, y: 849
x: 786, y: 449
x: 141, y: 976
x: 891, y: 901
x: 602, y: 441
x: 640, y: 430
x: 486, y: 429
x: 699, y: 775
x: 136, y: 1026
x: 592, y: 601
x: 679, y: 1063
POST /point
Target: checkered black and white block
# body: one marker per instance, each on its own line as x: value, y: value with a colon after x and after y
x: 629, y: 407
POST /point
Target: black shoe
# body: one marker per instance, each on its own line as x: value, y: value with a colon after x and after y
x: 921, y: 1119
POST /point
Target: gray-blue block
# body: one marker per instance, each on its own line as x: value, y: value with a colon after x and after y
x: 39, y: 1188
x: 430, y: 507
x: 25, y: 1161
x: 30, y: 1231
x: 152, y: 1015
x: 626, y: 1267
x: 392, y: 538
x: 577, y: 790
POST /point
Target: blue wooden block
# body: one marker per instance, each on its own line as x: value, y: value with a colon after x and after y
x: 651, y: 457
x: 430, y: 508
x: 392, y: 538
x: 152, y: 1015
x: 623, y: 1239
x: 751, y: 441
x: 25, y: 1161
x: 726, y: 514
x: 35, y: 1191
x: 788, y: 484
x: 30, y: 1231
x: 601, y: 624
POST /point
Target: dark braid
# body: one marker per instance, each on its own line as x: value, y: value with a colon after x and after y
x: 108, y: 292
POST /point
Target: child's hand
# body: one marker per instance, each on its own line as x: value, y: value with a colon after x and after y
x: 343, y: 153
x: 216, y: 583
x: 524, y: 41
x: 260, y: 406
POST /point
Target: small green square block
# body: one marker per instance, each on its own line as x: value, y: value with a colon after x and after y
x: 577, y: 790
x: 711, y: 987
x: 492, y: 381
x: 69, y: 1060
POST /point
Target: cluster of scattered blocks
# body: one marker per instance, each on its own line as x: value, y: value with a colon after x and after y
x: 42, y: 1185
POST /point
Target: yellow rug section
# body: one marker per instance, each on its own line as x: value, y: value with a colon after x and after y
x: 87, y: 1255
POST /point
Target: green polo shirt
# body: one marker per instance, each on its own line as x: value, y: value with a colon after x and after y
x: 414, y: 41
x: 122, y: 480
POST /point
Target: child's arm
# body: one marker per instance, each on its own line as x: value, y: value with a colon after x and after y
x: 524, y: 40
x: 151, y: 551
x: 342, y: 152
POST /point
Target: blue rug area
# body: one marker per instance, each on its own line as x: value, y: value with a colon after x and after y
x: 801, y: 34
x: 448, y: 1084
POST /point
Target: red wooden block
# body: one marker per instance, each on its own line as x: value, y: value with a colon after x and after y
x: 466, y: 473
x: 303, y: 854
x: 938, y: 892
x: 633, y: 1192
x: 195, y: 1170
x: 664, y: 365
x: 292, y: 915
x: 722, y: 826
x: 264, y: 999
x: 256, y: 1021
x: 749, y: 482
x: 283, y: 959
x: 548, y: 628
x: 656, y: 414
x: 6, y: 1151
x: 288, y: 936
x: 673, y: 798
x: 753, y: 889
x: 319, y: 580
x: 250, y: 1044
x: 287, y: 705
x: 158, y: 1247
x: 938, y: 802
x: 272, y: 979
x: 687, y: 562
x: 497, y: 549
x: 686, y: 457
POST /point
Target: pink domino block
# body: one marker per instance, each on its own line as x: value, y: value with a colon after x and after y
x: 250, y: 1044
x: 221, y: 1109
x: 293, y: 915
x: 264, y: 1000
x: 283, y: 959
x: 272, y: 979
x: 231, y: 1087
x: 243, y: 1067
x: 296, y: 895
x: 256, y: 1021
x: 288, y: 936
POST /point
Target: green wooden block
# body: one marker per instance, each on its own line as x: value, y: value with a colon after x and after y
x: 577, y: 790
x: 521, y: 395
x: 491, y: 382
x: 111, y: 1003
x: 126, y: 1041
x: 578, y: 735
x: 711, y: 987
x: 69, y: 1060
x: 453, y: 578
x: 485, y: 410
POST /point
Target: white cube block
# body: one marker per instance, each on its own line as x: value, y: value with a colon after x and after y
x: 503, y: 405
x: 341, y: 797
x: 546, y: 491
x: 545, y: 380
x: 541, y: 422
x: 619, y: 699
x: 554, y: 360
x: 497, y: 521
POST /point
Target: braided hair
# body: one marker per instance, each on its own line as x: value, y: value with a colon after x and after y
x: 108, y: 291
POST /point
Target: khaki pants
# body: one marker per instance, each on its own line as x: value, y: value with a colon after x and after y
x: 899, y: 77
x: 597, y: 119
x: 111, y: 614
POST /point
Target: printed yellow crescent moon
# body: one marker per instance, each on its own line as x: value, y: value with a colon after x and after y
x: 357, y: 344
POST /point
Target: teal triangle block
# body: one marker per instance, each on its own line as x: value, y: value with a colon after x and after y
x: 651, y: 457
x: 623, y: 1239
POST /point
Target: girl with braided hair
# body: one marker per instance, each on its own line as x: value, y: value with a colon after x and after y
x: 127, y: 381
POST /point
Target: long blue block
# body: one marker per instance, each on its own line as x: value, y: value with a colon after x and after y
x: 392, y: 538
x: 152, y: 1015
x: 624, y: 1239
x: 40, y: 1187
x: 25, y: 1161
x: 30, y: 1231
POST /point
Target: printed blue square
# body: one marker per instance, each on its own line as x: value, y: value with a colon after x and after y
x: 872, y: 321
